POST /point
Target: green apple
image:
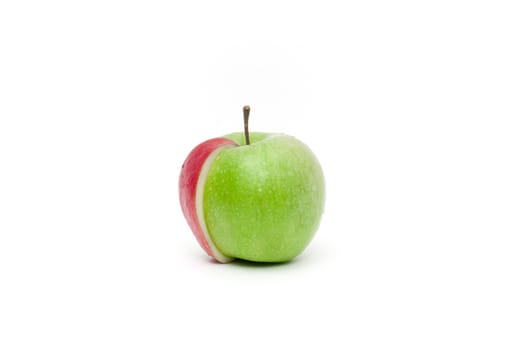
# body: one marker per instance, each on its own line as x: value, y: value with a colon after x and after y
x: 258, y: 201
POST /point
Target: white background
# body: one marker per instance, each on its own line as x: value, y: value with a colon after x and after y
x: 415, y: 110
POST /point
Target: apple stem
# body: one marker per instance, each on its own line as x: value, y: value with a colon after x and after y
x: 246, y: 111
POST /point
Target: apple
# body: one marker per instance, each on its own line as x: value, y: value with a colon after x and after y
x: 259, y: 200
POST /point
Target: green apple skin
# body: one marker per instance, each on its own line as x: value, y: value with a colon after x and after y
x: 263, y: 202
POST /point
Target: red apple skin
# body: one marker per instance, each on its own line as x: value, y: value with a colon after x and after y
x: 188, y: 181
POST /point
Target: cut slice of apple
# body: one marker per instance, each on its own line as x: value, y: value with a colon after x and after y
x: 191, y: 187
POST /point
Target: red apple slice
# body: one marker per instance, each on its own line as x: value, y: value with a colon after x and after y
x: 191, y: 189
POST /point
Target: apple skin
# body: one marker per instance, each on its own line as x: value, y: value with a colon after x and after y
x: 191, y: 182
x: 261, y: 202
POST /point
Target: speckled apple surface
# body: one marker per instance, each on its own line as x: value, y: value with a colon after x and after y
x: 264, y: 201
